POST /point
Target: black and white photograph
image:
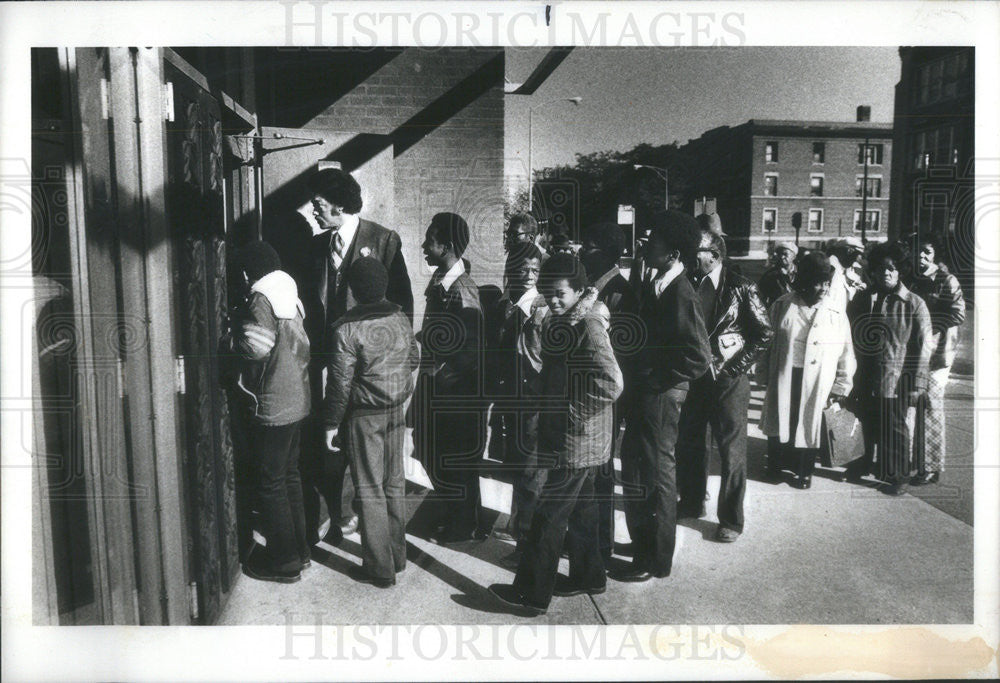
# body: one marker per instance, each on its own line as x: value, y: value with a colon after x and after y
x: 601, y: 340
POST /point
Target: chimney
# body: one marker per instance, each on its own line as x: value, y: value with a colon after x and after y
x: 864, y: 113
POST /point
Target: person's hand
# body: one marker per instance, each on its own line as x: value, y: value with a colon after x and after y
x: 331, y: 438
x: 834, y: 398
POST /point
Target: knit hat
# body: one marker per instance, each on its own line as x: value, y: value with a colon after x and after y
x: 788, y: 246
x: 368, y: 280
x: 257, y: 258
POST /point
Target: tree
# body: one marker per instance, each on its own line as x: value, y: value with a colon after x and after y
x: 569, y: 197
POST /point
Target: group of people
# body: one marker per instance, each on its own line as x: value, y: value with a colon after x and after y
x: 570, y: 366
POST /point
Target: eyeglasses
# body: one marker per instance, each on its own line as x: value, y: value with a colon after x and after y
x: 713, y: 252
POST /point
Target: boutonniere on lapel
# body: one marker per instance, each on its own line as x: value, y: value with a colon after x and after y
x: 366, y: 251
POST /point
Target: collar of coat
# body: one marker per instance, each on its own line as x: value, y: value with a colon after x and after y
x: 581, y: 308
x: 379, y: 309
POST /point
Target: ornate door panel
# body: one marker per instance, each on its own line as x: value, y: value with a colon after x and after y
x: 196, y: 208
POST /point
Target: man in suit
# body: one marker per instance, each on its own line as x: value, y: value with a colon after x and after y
x: 326, y: 296
x: 675, y: 352
x: 738, y: 331
x: 450, y: 424
x: 602, y: 246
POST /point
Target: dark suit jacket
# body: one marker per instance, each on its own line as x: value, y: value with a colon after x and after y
x: 676, y: 349
x: 371, y: 239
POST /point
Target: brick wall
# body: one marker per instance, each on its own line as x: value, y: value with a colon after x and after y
x: 795, y: 167
x: 456, y: 96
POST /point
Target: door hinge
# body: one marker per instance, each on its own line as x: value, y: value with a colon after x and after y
x: 168, y: 101
x: 193, y: 594
x: 179, y: 379
x: 105, y: 99
x: 121, y: 378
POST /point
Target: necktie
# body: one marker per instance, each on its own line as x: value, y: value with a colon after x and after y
x: 648, y: 284
x: 706, y: 291
x: 338, y: 249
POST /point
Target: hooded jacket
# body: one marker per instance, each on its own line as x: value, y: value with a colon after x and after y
x: 272, y: 342
x: 580, y: 382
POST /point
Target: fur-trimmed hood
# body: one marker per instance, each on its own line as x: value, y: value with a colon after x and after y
x: 586, y: 305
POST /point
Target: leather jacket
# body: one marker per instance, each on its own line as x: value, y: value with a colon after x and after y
x: 740, y: 320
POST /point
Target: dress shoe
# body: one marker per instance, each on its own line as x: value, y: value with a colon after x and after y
x: 685, y: 511
x: 448, y: 537
x: 510, y: 596
x: 802, y: 482
x: 502, y: 535
x: 894, y: 489
x: 350, y: 526
x: 360, y: 575
x: 772, y: 476
x: 334, y: 536
x: 726, y: 535
x: 306, y: 563
x: 566, y: 588
x: 257, y: 567
x: 925, y: 478
x: 631, y: 574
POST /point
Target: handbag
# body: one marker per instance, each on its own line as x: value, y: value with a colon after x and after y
x: 841, y: 438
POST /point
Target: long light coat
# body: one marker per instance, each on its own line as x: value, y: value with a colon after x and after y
x: 828, y: 369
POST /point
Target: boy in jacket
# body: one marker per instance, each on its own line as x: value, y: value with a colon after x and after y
x: 271, y: 340
x: 368, y: 381
x: 580, y: 382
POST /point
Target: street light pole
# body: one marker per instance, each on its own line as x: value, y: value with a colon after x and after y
x: 662, y: 172
x: 531, y: 111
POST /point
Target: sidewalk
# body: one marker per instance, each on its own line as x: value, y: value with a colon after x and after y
x: 815, y: 556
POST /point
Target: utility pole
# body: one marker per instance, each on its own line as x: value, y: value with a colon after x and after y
x: 864, y: 198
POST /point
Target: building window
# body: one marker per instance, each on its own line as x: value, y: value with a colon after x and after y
x: 936, y: 147
x: 874, y: 154
x: 819, y: 152
x: 815, y: 220
x: 874, y: 220
x: 771, y: 151
x: 770, y: 220
x: 943, y: 79
x: 771, y: 185
x: 874, y: 186
x: 815, y: 186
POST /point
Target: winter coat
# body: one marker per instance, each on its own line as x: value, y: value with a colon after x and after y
x: 374, y: 358
x: 892, y: 349
x: 580, y: 382
x: 829, y: 369
x: 943, y: 296
x: 272, y: 341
